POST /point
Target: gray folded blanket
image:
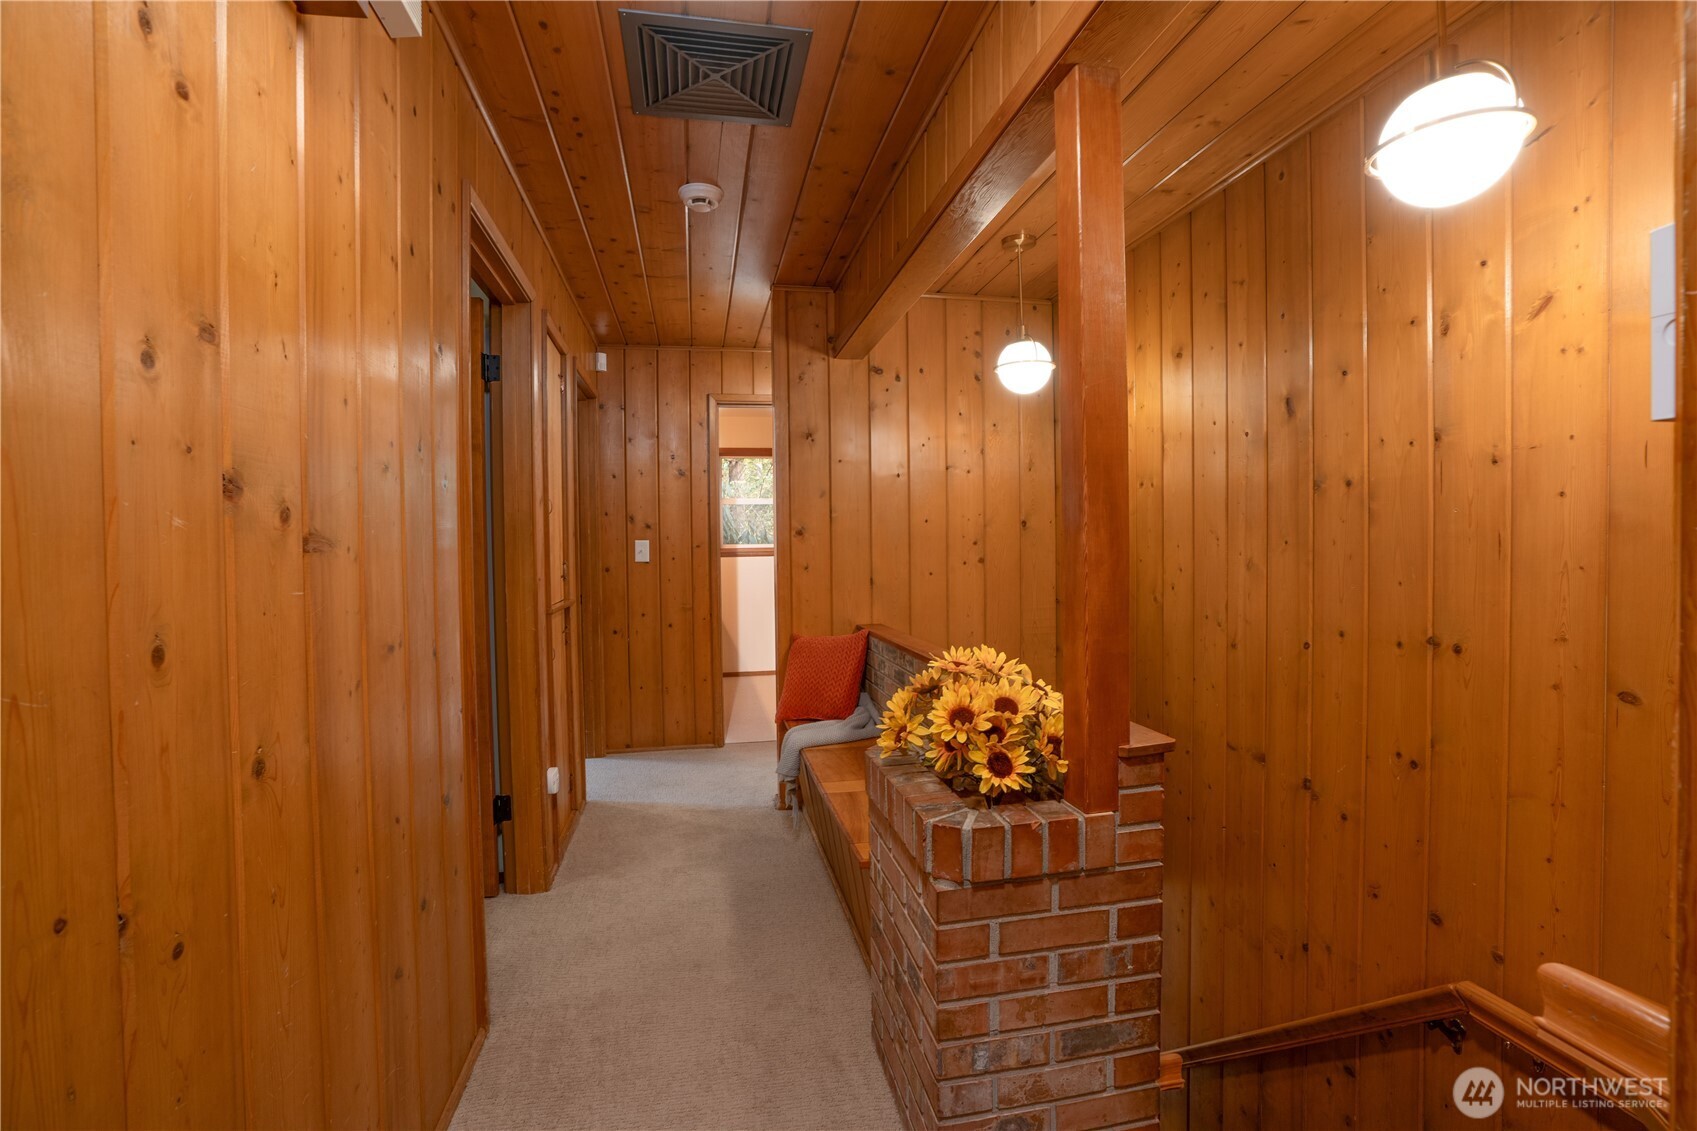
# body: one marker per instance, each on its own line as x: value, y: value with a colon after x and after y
x: 863, y: 723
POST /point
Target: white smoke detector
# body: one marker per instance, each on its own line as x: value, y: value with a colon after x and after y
x: 699, y: 197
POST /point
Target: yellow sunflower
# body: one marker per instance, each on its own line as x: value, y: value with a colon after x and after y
x: 956, y: 660
x: 929, y: 679
x: 960, y: 713
x: 948, y: 758
x: 997, y: 665
x: 899, y: 728
x: 1051, y: 697
x: 1050, y: 741
x: 1011, y: 698
x: 1001, y: 769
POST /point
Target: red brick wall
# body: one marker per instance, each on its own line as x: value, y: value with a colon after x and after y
x: 1015, y: 954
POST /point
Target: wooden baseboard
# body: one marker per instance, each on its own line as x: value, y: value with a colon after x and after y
x: 453, y: 1104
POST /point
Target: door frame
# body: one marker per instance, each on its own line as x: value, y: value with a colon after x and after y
x: 522, y: 638
x: 715, y: 584
x: 561, y: 395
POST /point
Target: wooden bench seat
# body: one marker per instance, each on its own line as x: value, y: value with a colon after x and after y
x: 831, y: 787
x: 833, y: 795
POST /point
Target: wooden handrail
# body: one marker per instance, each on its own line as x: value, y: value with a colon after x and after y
x: 1590, y: 1031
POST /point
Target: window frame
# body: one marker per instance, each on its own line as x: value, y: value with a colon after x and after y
x: 751, y: 550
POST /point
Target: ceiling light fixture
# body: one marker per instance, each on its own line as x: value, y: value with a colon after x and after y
x: 1024, y: 365
x: 1454, y: 138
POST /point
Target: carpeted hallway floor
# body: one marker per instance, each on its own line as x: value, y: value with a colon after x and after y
x: 692, y: 967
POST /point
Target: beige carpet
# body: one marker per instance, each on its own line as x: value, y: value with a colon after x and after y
x: 692, y: 967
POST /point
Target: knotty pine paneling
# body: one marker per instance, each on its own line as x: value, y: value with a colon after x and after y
x: 913, y: 489
x: 653, y: 633
x: 917, y: 491
x: 1405, y: 554
x: 238, y: 859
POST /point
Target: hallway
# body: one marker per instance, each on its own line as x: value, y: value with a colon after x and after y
x: 690, y: 968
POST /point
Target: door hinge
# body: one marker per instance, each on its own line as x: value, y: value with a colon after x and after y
x: 491, y: 367
x: 503, y: 808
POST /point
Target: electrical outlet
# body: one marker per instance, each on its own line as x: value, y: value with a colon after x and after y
x: 642, y: 549
x: 553, y: 779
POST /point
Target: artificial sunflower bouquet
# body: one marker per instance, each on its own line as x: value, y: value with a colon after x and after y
x: 982, y: 723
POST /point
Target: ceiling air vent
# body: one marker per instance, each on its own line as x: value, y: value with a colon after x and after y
x: 720, y: 70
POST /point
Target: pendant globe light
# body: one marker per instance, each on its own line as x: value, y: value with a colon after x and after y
x: 1454, y: 138
x: 1024, y: 365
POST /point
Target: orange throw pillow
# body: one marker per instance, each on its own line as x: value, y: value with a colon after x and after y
x: 822, y: 677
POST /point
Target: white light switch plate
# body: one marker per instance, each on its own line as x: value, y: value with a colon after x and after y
x: 1664, y: 308
x: 642, y: 549
x: 553, y: 779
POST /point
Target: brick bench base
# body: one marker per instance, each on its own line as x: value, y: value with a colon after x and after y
x: 1016, y: 953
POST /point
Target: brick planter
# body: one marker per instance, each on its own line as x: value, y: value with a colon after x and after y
x: 1016, y: 953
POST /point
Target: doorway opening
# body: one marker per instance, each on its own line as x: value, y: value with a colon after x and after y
x: 743, y: 499
x: 484, y: 332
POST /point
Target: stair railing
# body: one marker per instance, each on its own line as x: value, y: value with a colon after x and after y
x: 1612, y: 1041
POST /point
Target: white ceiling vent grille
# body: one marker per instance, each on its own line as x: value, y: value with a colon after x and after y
x: 720, y: 70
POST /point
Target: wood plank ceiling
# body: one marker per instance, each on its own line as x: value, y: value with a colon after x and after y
x: 604, y: 181
x: 1230, y: 84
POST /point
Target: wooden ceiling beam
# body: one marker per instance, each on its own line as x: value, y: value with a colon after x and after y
x: 1226, y: 93
x: 1011, y: 148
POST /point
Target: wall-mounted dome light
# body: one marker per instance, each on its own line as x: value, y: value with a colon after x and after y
x: 1024, y: 365
x: 1452, y: 139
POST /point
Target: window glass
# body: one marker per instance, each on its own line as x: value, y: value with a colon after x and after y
x: 745, y: 511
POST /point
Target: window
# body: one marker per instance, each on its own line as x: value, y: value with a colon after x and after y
x: 745, y: 501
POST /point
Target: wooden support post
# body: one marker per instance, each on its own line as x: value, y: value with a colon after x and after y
x: 1095, y: 612
x: 1684, y: 1011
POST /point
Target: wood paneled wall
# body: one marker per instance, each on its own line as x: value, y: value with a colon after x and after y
x: 238, y: 850
x: 647, y: 476
x: 1405, y: 549
x: 915, y: 491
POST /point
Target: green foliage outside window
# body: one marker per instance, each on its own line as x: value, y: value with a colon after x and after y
x: 746, y: 514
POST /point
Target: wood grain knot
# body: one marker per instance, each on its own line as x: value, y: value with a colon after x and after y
x: 158, y: 653
x: 177, y: 951
x: 59, y: 925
